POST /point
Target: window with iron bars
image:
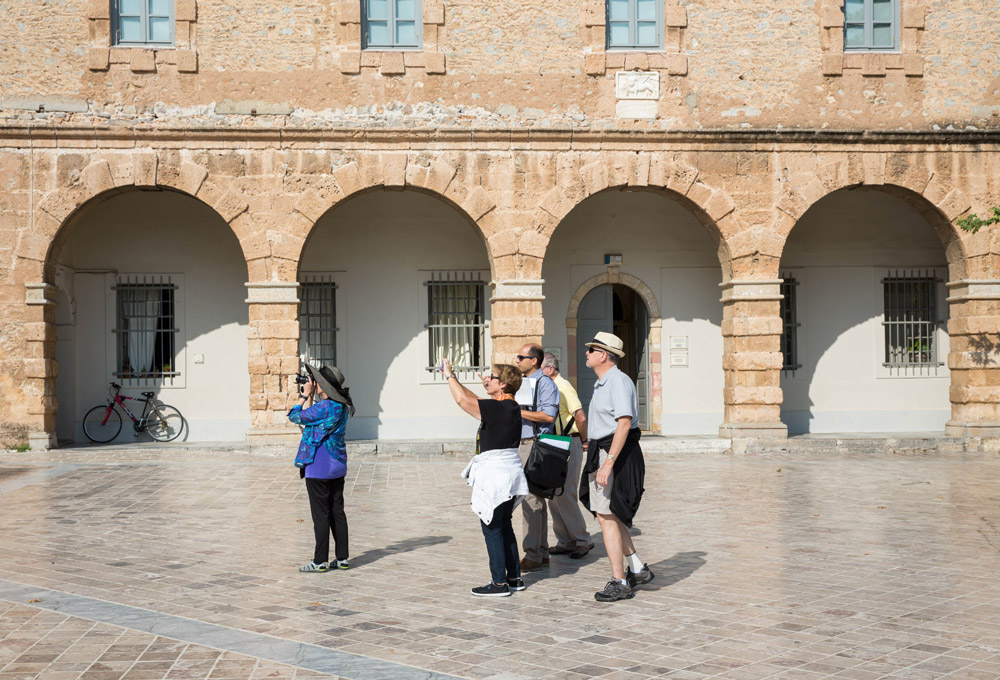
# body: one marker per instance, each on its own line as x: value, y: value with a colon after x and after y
x: 318, y: 320
x: 789, y: 323
x: 910, y: 318
x: 456, y: 321
x: 146, y: 328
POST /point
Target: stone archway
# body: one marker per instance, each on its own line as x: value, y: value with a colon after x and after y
x: 613, y: 276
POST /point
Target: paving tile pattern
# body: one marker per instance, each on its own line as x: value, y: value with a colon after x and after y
x: 843, y: 566
x: 42, y: 645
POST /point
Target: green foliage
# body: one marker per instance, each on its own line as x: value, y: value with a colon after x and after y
x: 21, y: 448
x: 972, y: 223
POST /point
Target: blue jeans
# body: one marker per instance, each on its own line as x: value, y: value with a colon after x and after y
x: 505, y: 563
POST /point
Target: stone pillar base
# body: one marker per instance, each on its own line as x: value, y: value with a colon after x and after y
x: 987, y: 430
x: 42, y: 441
x: 282, y: 435
x: 753, y: 431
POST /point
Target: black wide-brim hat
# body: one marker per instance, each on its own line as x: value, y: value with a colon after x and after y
x: 332, y: 381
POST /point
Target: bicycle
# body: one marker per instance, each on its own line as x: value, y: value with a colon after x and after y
x: 102, y: 423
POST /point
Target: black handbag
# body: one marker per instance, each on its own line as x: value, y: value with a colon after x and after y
x: 547, y: 465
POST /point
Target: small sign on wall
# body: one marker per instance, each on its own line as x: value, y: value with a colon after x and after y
x: 678, y: 360
x: 678, y: 342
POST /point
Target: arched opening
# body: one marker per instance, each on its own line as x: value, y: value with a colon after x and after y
x: 865, y: 343
x: 151, y: 296
x: 389, y: 281
x: 620, y: 308
x: 667, y: 285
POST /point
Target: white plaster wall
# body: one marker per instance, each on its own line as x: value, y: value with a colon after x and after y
x: 664, y: 246
x: 158, y: 232
x: 384, y: 243
x: 838, y: 252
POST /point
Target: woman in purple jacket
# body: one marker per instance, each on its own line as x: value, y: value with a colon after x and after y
x: 323, y: 408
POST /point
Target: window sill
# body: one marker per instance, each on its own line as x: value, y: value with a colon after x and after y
x: 142, y: 59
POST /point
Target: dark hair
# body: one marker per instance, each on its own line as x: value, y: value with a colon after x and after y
x: 536, y: 353
x: 509, y: 375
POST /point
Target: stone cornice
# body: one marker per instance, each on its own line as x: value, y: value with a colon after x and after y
x: 20, y: 135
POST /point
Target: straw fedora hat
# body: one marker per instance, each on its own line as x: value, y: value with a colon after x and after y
x: 609, y: 342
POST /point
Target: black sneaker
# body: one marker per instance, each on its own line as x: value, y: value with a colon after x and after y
x: 614, y: 591
x: 516, y: 584
x: 644, y: 576
x: 492, y: 590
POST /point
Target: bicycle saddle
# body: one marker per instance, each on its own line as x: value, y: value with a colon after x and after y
x: 148, y: 395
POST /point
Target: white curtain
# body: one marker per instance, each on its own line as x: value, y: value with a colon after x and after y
x: 141, y: 312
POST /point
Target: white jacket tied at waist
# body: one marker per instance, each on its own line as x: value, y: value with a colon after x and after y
x: 495, y: 477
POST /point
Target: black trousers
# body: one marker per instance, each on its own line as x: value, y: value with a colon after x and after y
x: 326, y: 502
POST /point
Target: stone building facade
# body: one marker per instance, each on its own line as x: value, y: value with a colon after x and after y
x: 266, y: 124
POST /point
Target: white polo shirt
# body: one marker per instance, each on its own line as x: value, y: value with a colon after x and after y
x: 614, y: 397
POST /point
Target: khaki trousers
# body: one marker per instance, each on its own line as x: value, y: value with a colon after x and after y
x: 567, y: 519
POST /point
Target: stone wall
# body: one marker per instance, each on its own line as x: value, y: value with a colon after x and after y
x: 515, y: 64
x: 272, y: 187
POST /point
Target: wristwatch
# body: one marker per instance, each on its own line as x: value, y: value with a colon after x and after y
x: 449, y: 377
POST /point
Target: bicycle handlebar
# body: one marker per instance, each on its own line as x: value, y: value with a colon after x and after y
x: 116, y: 386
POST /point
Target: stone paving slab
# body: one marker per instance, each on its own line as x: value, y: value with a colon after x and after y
x: 768, y: 566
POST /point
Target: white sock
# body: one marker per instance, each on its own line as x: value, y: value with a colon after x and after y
x: 623, y: 581
x: 633, y: 562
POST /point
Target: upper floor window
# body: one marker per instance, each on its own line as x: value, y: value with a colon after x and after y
x: 392, y: 24
x: 871, y: 25
x: 142, y: 23
x: 635, y: 24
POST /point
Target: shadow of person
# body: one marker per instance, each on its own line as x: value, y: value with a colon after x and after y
x: 677, y: 568
x: 404, y: 546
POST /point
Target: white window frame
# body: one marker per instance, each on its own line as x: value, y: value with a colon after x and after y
x: 391, y: 22
x: 940, y: 368
x: 434, y: 377
x: 180, y: 336
x: 633, y: 45
x: 869, y: 28
x: 144, y: 17
x: 339, y: 281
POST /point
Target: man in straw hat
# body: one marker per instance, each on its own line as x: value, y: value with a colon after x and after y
x: 612, y: 482
x: 322, y: 460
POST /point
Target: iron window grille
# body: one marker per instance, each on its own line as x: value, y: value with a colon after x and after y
x: 910, y: 318
x: 871, y: 25
x: 456, y: 321
x: 318, y: 320
x: 392, y: 24
x: 789, y: 324
x: 145, y: 328
x: 142, y: 23
x: 634, y: 24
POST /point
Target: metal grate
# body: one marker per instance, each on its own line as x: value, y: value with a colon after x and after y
x: 318, y: 320
x: 910, y: 318
x: 789, y: 324
x: 145, y: 327
x: 456, y: 323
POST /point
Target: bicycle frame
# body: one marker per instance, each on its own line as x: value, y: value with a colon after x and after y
x: 119, y: 399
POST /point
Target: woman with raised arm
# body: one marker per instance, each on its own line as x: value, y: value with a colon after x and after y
x: 495, y: 473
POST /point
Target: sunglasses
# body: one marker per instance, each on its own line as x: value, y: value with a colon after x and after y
x: 522, y: 357
x: 493, y: 377
x: 591, y: 350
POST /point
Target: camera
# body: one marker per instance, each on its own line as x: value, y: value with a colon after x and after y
x: 301, y: 379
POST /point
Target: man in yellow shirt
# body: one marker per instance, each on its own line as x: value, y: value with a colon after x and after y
x: 572, y: 537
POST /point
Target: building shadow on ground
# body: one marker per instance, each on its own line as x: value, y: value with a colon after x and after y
x: 404, y: 546
x: 676, y: 568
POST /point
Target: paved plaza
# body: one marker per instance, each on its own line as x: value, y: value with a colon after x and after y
x: 174, y: 562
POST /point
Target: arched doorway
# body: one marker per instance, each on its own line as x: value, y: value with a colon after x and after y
x: 388, y: 282
x: 620, y: 308
x: 151, y: 295
x: 865, y: 343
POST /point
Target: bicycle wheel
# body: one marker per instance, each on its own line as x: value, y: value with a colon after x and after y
x: 164, y: 423
x: 101, y: 426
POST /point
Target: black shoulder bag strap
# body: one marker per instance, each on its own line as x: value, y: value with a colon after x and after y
x: 534, y: 407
